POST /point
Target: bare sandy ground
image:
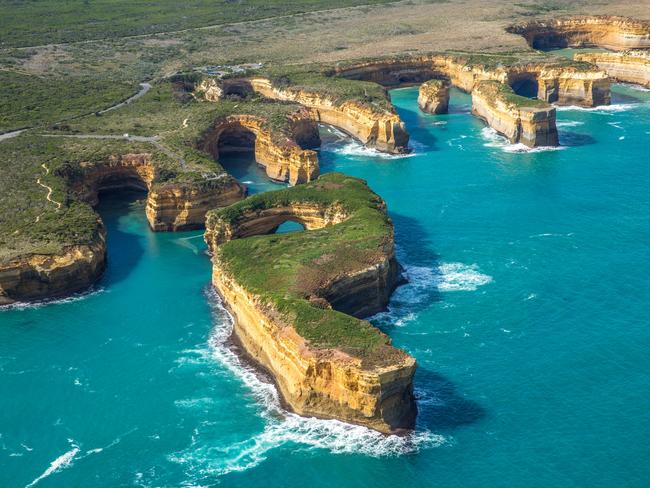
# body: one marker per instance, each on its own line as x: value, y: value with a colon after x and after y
x: 406, y: 26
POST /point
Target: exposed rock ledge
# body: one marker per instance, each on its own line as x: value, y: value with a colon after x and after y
x: 380, y: 129
x: 433, y: 96
x: 610, y: 32
x: 40, y: 276
x: 171, y: 206
x: 281, y: 156
x: 290, y: 293
x: 521, y: 120
x: 626, y: 67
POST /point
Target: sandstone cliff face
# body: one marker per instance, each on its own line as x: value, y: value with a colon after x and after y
x: 170, y: 207
x: 565, y: 85
x: 325, y: 383
x: 433, y: 97
x: 627, y: 67
x: 284, y: 160
x: 382, y: 130
x: 610, y: 32
x: 532, y: 126
x: 43, y: 276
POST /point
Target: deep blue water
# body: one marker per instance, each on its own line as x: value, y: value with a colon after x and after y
x: 527, y: 312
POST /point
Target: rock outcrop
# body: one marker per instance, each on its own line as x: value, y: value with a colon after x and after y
x: 281, y: 155
x: 380, y: 129
x: 627, y: 67
x: 43, y: 276
x: 171, y: 206
x: 519, y: 119
x: 433, y: 97
x: 298, y: 330
x: 564, y: 83
x: 609, y: 32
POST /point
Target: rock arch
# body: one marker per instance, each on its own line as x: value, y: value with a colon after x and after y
x: 282, y: 156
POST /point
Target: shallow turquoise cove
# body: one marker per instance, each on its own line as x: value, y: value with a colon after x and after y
x: 526, y: 310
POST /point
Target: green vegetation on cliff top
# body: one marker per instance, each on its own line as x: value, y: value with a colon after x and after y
x: 285, y: 270
x: 31, y: 165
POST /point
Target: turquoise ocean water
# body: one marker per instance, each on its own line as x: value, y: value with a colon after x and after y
x: 527, y: 311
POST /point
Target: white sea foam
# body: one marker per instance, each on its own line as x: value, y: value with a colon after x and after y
x: 617, y: 107
x: 60, y: 301
x: 460, y: 277
x: 62, y: 462
x: 569, y: 123
x: 281, y: 426
x: 346, y: 145
x: 248, y: 182
x: 423, y: 283
x: 494, y: 139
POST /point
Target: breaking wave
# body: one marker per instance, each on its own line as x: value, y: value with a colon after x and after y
x: 424, y: 283
x: 569, y: 123
x: 57, y: 301
x: 344, y: 144
x: 63, y: 461
x: 494, y: 139
x: 282, y: 427
x: 619, y: 107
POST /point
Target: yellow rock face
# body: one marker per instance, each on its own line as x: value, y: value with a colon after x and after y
x: 527, y: 125
x: 325, y: 383
x: 39, y: 276
x: 627, y: 67
x: 170, y: 207
x: 382, y: 130
x: 610, y: 32
x: 283, y: 160
x: 433, y: 97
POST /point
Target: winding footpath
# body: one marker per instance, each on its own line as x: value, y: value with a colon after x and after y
x: 49, y: 191
x: 144, y: 88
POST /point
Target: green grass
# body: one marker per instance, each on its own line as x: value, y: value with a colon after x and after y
x: 29, y: 101
x: 320, y: 79
x: 29, y: 224
x: 286, y: 269
x: 29, y: 23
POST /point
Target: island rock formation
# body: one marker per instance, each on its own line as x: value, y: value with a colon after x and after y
x: 517, y: 118
x: 433, y: 97
x: 294, y: 322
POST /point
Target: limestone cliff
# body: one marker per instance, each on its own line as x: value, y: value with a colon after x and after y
x: 43, y: 276
x: 517, y: 118
x: 626, y: 67
x: 433, y: 97
x: 564, y: 83
x: 380, y: 129
x: 281, y: 155
x: 610, y: 32
x: 170, y: 206
x: 283, y: 331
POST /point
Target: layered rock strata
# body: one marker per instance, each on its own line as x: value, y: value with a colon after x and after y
x: 564, y: 83
x: 627, y: 67
x: 282, y: 156
x: 292, y: 320
x: 433, y: 97
x: 609, y: 32
x: 379, y: 129
x: 40, y: 276
x: 170, y: 206
x: 519, y: 119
